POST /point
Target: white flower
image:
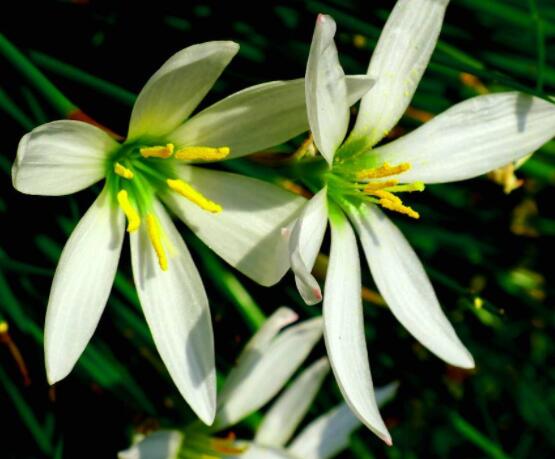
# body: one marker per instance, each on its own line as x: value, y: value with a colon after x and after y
x: 471, y: 138
x: 238, y: 217
x: 265, y: 365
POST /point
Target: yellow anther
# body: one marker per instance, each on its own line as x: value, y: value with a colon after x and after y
x: 3, y: 327
x: 373, y: 186
x: 187, y: 191
x: 410, y: 187
x: 123, y: 171
x: 478, y: 302
x: 391, y: 202
x: 159, y: 151
x: 202, y: 153
x: 383, y: 171
x: 133, y: 218
x: 155, y: 236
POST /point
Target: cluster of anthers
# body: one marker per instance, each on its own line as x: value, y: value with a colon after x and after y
x: 365, y: 184
x: 137, y: 172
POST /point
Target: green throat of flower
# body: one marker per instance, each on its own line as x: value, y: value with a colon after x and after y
x: 377, y: 185
x: 199, y: 446
x: 136, y: 173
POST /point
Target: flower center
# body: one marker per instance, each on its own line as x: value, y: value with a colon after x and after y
x: 199, y: 446
x: 366, y: 184
x: 136, y: 173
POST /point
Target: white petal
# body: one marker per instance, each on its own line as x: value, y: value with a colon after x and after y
x: 344, y: 326
x: 255, y: 451
x: 326, y: 90
x: 163, y: 444
x: 259, y: 343
x: 256, y: 118
x: 176, y: 310
x: 254, y: 349
x: 250, y: 120
x: 283, y: 418
x: 357, y: 86
x: 403, y: 283
x: 473, y: 137
x: 304, y: 244
x: 268, y: 373
x: 61, y: 157
x: 175, y: 90
x: 386, y: 393
x: 247, y: 233
x: 399, y: 60
x: 81, y: 286
x: 329, y: 434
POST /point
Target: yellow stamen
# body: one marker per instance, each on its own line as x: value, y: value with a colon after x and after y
x: 155, y: 235
x: 3, y: 327
x: 391, y: 202
x: 187, y: 191
x: 123, y: 171
x: 383, y: 171
x: 202, y: 153
x: 373, y: 186
x: 133, y: 218
x: 159, y: 151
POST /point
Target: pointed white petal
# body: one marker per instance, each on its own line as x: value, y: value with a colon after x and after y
x: 61, y: 157
x: 256, y: 118
x: 286, y: 413
x: 403, y: 283
x: 357, y: 86
x: 255, y: 451
x: 250, y: 120
x: 174, y: 91
x: 248, y: 232
x: 473, y: 137
x: 304, y: 244
x: 176, y: 310
x: 268, y: 373
x: 254, y: 349
x: 163, y: 444
x: 259, y: 343
x: 344, y: 326
x: 329, y: 434
x: 386, y: 393
x: 399, y: 60
x: 326, y: 90
x: 81, y: 286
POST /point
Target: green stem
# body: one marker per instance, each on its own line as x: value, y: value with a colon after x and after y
x: 11, y: 108
x: 230, y: 286
x: 473, y: 435
x: 540, y: 43
x: 35, y: 107
x: 72, y: 73
x: 60, y: 102
x: 26, y: 414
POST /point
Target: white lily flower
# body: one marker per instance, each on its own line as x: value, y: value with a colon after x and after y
x: 470, y: 139
x: 238, y: 217
x: 263, y: 368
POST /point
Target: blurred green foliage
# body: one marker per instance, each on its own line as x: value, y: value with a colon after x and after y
x: 488, y: 253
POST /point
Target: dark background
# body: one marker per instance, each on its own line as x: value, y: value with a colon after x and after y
x: 471, y: 238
